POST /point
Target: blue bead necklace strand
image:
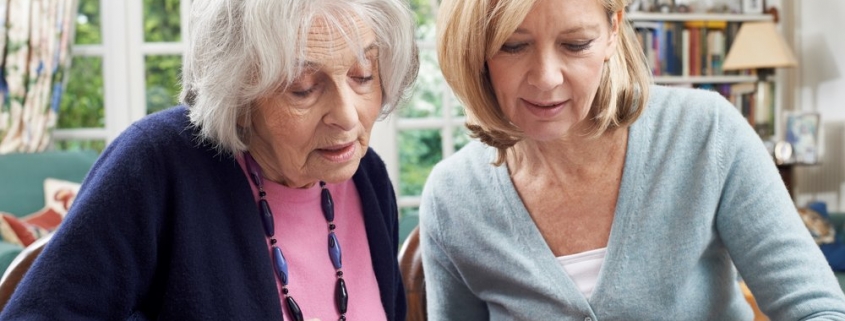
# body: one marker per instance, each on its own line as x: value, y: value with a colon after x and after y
x: 341, y: 296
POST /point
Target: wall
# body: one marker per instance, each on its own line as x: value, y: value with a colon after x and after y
x: 820, y: 86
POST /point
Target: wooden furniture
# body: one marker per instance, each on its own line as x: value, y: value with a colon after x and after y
x: 410, y: 264
x: 20, y: 265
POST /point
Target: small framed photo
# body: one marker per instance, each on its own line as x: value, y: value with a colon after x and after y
x: 802, y: 132
x: 753, y: 6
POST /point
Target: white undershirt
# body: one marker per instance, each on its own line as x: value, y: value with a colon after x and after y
x: 584, y: 268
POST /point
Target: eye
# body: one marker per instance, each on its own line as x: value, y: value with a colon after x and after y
x: 513, y: 48
x: 578, y: 47
x: 363, y: 80
x: 303, y: 93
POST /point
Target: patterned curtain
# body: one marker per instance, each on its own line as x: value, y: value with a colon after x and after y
x: 35, y: 39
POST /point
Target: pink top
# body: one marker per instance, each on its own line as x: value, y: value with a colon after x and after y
x: 302, y: 234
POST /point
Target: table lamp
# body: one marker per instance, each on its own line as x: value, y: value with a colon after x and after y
x: 759, y: 46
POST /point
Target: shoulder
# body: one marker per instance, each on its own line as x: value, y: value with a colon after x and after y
x: 471, y: 163
x: 671, y: 104
x: 685, y: 112
x: 461, y: 180
x: 163, y: 142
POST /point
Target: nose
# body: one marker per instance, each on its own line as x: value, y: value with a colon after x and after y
x: 546, y: 72
x: 344, y: 111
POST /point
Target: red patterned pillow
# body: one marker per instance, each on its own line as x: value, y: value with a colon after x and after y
x: 16, y: 231
x: 58, y: 197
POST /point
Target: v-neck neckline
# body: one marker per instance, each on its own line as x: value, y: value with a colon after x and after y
x: 534, y: 243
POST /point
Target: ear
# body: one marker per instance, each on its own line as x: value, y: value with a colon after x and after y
x: 613, y: 39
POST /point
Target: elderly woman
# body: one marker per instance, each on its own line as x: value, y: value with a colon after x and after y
x: 236, y: 206
x: 595, y: 196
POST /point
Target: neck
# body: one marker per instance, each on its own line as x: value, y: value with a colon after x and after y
x: 273, y: 172
x: 573, y: 156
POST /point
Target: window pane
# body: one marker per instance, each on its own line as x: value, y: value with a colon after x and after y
x: 161, y: 21
x: 78, y: 145
x: 427, y: 99
x: 419, y: 150
x: 162, y: 82
x: 409, y: 218
x: 88, y: 23
x: 82, y: 100
x: 424, y: 14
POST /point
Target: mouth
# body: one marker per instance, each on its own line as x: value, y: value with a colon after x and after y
x: 545, y: 109
x: 549, y: 104
x: 338, y: 153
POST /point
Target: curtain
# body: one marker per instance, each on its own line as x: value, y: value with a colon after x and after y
x: 35, y: 39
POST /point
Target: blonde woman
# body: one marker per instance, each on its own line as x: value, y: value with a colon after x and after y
x: 592, y: 195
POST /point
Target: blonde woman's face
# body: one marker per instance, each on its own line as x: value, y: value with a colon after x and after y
x: 319, y: 127
x: 547, y: 72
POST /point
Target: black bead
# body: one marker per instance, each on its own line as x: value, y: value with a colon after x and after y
x: 266, y: 217
x: 294, y: 310
x: 285, y: 291
x: 328, y: 205
x: 272, y: 241
x: 341, y: 297
x: 262, y: 193
x: 339, y: 273
x: 331, y: 226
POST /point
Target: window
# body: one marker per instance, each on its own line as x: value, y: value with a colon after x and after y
x: 430, y: 127
x: 125, y: 65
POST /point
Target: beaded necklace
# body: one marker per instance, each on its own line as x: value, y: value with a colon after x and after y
x: 281, y: 266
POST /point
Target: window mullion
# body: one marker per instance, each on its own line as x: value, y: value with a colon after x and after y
x: 135, y: 60
x: 116, y: 82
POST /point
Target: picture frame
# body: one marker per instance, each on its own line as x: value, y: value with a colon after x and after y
x: 753, y: 6
x: 802, y: 132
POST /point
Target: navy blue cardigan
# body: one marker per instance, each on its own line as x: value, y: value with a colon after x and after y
x: 166, y: 228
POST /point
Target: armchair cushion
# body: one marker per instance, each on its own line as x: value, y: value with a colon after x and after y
x: 16, y: 231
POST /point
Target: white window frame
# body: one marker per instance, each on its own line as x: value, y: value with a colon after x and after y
x: 123, y: 51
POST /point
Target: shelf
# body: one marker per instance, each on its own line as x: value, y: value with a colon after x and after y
x: 648, y: 16
x: 704, y: 79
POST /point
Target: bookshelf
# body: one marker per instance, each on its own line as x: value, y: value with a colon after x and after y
x: 649, y: 16
x: 687, y: 49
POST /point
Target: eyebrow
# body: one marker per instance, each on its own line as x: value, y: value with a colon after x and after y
x: 565, y: 32
x: 315, y: 65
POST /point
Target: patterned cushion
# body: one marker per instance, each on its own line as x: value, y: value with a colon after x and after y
x: 59, y: 196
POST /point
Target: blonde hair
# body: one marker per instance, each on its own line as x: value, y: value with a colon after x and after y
x: 240, y: 51
x: 471, y: 31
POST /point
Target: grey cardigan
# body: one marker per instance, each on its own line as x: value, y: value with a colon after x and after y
x: 699, y: 194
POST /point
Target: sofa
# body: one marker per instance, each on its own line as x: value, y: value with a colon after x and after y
x: 22, y: 186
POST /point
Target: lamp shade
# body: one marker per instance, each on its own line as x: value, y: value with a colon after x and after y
x: 758, y: 45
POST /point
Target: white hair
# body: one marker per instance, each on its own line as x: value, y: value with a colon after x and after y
x: 241, y: 50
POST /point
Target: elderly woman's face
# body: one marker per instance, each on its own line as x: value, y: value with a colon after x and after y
x: 546, y: 74
x: 319, y: 127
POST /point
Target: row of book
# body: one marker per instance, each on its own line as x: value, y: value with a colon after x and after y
x: 686, y: 48
x: 755, y: 101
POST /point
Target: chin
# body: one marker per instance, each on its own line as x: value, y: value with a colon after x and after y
x: 342, y: 173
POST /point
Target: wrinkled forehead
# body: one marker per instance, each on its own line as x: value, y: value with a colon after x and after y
x: 338, y: 40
